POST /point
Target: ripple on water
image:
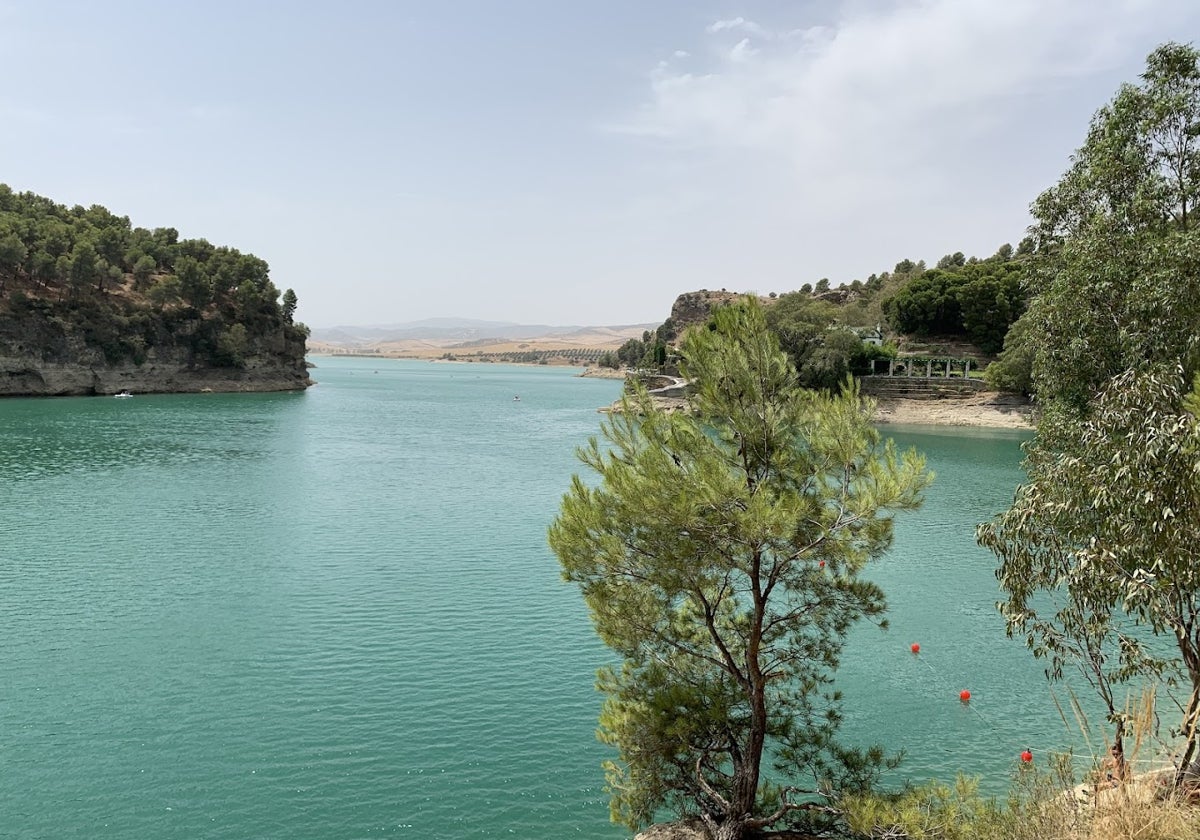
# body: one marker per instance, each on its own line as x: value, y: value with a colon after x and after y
x: 334, y: 614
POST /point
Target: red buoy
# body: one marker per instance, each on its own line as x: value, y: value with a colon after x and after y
x: 916, y: 648
x: 822, y: 564
x: 1027, y: 756
x: 964, y: 696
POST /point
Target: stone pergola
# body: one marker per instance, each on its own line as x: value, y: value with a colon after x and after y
x: 927, y: 368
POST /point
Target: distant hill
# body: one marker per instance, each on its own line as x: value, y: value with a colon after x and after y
x: 463, y: 332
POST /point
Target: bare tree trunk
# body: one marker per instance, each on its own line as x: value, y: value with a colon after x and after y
x: 1191, y: 718
x: 729, y: 830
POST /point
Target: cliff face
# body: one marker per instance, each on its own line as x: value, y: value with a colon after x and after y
x: 90, y: 304
x: 692, y: 308
x: 39, y: 357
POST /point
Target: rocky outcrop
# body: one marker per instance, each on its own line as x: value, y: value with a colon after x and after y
x: 25, y: 377
x: 39, y: 361
x: 693, y: 308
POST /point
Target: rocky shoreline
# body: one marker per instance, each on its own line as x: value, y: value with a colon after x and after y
x: 986, y: 409
x: 25, y: 377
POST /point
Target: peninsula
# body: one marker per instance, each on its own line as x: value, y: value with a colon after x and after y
x: 91, y: 305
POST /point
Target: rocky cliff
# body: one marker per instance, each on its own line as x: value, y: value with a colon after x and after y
x: 90, y: 304
x: 692, y: 308
x: 43, y: 357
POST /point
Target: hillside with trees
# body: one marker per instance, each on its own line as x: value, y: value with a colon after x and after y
x: 962, y: 307
x: 90, y: 304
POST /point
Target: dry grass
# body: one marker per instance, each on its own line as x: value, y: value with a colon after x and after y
x: 1136, y: 817
x: 1112, y: 803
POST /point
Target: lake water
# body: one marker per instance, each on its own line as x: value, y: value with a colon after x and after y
x: 334, y: 614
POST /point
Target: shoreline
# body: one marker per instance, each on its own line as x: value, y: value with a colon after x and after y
x: 967, y: 413
x: 989, y: 409
x: 985, y: 410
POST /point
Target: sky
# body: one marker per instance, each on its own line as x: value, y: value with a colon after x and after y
x: 563, y: 161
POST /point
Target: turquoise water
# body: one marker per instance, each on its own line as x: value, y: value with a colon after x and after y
x: 334, y: 615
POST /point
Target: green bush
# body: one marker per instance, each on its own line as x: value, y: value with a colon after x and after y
x: 1038, y: 807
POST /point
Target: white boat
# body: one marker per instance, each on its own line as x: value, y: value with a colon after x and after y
x: 123, y: 395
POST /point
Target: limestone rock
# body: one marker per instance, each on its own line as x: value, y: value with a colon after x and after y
x: 693, y: 308
x: 36, y: 360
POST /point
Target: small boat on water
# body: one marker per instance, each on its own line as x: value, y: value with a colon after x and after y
x: 517, y: 398
x: 122, y: 395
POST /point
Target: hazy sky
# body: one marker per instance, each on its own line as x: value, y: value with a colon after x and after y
x: 563, y: 161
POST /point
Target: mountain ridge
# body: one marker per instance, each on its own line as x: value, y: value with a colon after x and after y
x: 462, y: 329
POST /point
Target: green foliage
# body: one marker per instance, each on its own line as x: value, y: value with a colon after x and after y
x: 143, y: 267
x: 951, y: 261
x: 1100, y: 543
x: 231, y: 346
x: 289, y: 305
x: 1038, y: 807
x: 1117, y: 242
x: 1101, y: 540
x: 931, y: 812
x: 977, y: 299
x: 666, y: 332
x: 822, y: 352
x: 84, y: 265
x: 631, y: 352
x: 927, y: 305
x: 76, y: 263
x: 721, y: 556
x: 991, y: 300
x: 829, y: 364
x: 12, y: 254
x: 798, y: 321
x: 609, y: 360
x: 1013, y: 370
x: 165, y: 291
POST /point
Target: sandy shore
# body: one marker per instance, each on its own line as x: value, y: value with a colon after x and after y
x: 603, y: 373
x: 985, y: 410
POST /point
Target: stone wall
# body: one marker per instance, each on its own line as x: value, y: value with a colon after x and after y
x: 920, y: 388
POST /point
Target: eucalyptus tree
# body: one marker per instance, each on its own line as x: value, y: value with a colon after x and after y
x: 1117, y: 266
x: 1102, y: 540
x: 720, y: 553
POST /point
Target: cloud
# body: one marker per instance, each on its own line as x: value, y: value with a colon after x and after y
x: 888, y: 84
x: 777, y: 155
x: 737, y: 24
x: 742, y: 51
